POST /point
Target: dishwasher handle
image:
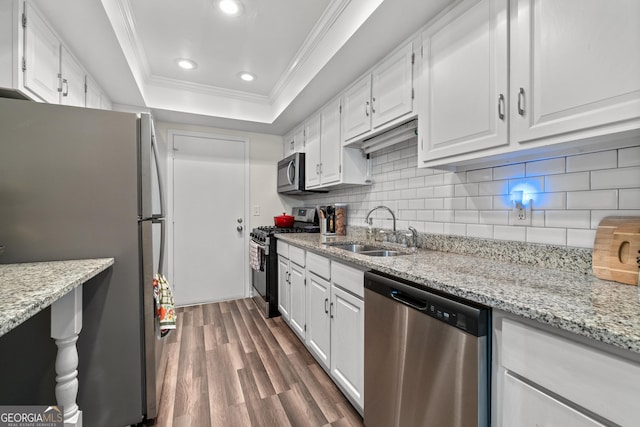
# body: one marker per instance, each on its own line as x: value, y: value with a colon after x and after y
x: 412, y: 302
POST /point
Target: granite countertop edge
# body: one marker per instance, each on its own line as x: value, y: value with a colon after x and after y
x: 574, y: 302
x: 29, y: 288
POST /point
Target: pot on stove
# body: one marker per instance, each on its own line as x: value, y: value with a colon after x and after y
x: 283, y: 221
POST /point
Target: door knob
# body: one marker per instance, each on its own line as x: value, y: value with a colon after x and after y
x: 239, y: 220
x: 239, y: 228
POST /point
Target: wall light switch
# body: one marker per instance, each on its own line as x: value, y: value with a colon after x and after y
x: 256, y: 210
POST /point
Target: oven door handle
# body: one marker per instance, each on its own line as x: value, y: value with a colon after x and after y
x: 264, y: 247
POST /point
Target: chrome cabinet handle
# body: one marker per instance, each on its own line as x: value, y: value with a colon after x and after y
x: 373, y: 106
x: 320, y: 168
x: 501, y: 107
x: 326, y: 310
x: 366, y: 108
x: 521, y: 102
x: 65, y: 84
x: 331, y: 310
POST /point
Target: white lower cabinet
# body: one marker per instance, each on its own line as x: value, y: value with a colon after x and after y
x: 543, y: 377
x: 324, y: 305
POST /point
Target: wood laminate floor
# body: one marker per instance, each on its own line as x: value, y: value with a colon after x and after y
x: 228, y: 366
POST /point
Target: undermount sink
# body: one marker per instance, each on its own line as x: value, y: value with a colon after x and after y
x: 366, y: 249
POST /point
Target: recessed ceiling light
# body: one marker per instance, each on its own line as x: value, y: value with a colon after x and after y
x: 230, y: 7
x: 247, y: 77
x: 187, y: 64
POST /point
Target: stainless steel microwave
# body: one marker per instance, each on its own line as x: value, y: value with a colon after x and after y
x: 291, y: 174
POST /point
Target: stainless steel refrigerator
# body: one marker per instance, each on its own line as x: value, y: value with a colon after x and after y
x: 82, y: 183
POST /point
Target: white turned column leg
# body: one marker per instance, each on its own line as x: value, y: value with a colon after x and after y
x: 66, y: 323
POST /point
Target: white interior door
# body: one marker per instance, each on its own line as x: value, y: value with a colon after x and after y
x: 209, y: 200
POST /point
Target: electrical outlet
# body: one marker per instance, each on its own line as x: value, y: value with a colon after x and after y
x: 521, y: 213
x: 256, y: 210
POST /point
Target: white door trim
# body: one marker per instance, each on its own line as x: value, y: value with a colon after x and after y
x: 171, y: 133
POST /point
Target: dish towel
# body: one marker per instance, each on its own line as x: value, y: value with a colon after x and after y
x: 165, y: 308
x: 256, y: 255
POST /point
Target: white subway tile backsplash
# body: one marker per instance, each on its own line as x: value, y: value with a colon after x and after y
x: 549, y: 200
x: 479, y: 202
x: 629, y: 157
x: 444, y: 191
x: 518, y: 234
x: 509, y: 172
x: 455, y: 203
x: 467, y: 217
x: 570, y: 196
x: 443, y: 216
x: 493, y: 188
x: 616, y: 178
x: 581, y: 238
x: 455, y: 178
x: 480, y: 175
x: 567, y: 182
x: 568, y: 219
x: 545, y: 167
x: 592, y: 161
x: 629, y: 198
x: 480, y: 231
x: 548, y: 236
x: 466, y: 190
x: 455, y: 229
x: 598, y: 199
x: 494, y: 217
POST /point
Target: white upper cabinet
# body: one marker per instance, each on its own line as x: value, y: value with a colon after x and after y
x: 93, y: 96
x: 383, y: 97
x: 463, y: 91
x: 575, y: 68
x: 294, y: 141
x: 41, y: 64
x: 72, y: 87
x: 330, y: 144
x: 392, y: 87
x: 573, y: 77
x: 312, y: 155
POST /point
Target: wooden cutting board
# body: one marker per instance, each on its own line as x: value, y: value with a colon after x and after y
x: 616, y: 248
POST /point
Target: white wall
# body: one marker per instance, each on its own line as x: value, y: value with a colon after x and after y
x: 265, y: 151
x: 570, y: 196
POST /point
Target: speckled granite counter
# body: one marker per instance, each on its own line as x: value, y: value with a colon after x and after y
x: 575, y: 302
x: 28, y: 288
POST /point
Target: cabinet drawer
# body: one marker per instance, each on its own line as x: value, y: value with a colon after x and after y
x: 296, y: 255
x: 348, y: 278
x: 283, y: 249
x: 319, y: 265
x: 525, y: 406
x: 603, y: 383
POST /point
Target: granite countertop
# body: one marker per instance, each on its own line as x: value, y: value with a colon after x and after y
x: 576, y: 302
x: 28, y: 288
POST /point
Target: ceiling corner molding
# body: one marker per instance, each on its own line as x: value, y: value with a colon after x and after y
x: 134, y: 39
x: 320, y: 29
x: 208, y: 90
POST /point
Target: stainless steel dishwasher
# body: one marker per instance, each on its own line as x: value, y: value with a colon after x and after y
x: 426, y: 357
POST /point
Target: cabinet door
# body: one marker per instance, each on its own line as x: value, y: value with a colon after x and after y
x: 312, y: 155
x: 318, y: 337
x: 42, y: 58
x: 93, y: 95
x: 525, y: 406
x: 298, y: 140
x: 284, y: 297
x: 463, y: 87
x: 356, y: 106
x: 575, y: 68
x: 392, y: 87
x: 297, y: 309
x: 73, y: 79
x: 330, y: 144
x: 347, y: 343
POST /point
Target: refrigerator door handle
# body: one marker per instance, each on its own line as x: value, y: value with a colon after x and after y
x: 162, y: 243
x: 154, y: 148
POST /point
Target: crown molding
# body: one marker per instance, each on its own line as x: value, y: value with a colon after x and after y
x: 208, y: 89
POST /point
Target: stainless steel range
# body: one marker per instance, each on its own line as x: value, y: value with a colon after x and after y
x: 264, y: 264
